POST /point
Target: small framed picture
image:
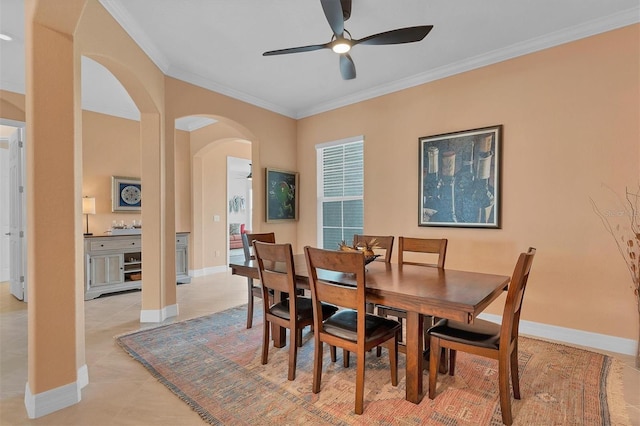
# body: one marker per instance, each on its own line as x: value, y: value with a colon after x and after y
x: 126, y: 194
x: 459, y: 179
x: 281, y: 195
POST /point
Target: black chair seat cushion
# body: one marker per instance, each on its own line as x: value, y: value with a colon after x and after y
x: 305, y: 309
x: 344, y: 325
x: 481, y: 333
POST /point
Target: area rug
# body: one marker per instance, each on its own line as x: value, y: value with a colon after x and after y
x: 213, y: 364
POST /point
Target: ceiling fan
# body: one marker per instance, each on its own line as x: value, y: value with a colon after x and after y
x: 337, y: 12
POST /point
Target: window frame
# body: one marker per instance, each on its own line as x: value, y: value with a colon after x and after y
x: 320, y: 198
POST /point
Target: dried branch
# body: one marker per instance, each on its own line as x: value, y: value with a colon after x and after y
x: 625, y: 235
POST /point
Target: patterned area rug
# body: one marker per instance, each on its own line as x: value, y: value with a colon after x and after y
x: 213, y: 364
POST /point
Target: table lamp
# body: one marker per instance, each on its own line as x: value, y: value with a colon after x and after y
x: 88, y: 207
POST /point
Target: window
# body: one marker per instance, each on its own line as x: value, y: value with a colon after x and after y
x: 340, y: 192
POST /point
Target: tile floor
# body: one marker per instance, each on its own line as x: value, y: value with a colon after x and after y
x: 121, y: 391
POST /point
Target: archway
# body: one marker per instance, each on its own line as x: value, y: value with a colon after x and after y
x: 202, y: 197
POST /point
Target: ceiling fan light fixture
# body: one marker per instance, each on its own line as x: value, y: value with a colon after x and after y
x: 341, y: 46
x: 337, y: 12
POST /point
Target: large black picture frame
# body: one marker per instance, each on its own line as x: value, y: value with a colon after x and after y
x: 459, y: 178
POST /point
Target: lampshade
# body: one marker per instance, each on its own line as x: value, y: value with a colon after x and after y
x: 88, y: 205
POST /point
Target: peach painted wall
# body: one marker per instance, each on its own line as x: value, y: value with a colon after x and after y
x: 110, y: 147
x: 183, y: 181
x: 12, y: 106
x: 571, y: 123
x: 210, y: 147
x: 273, y: 144
x: 213, y: 197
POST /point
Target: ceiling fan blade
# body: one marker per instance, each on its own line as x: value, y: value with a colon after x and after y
x: 333, y: 12
x: 399, y: 36
x: 346, y: 9
x: 347, y: 67
x: 310, y: 48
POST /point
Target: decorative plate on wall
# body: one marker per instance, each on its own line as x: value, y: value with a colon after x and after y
x: 126, y: 194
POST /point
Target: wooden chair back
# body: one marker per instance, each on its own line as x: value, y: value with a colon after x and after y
x: 515, y: 295
x: 384, y: 242
x: 247, y: 242
x: 473, y: 339
x: 276, y: 269
x: 437, y: 247
x: 338, y: 262
x: 370, y: 330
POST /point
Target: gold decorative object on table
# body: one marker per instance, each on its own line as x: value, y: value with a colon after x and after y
x: 365, y: 247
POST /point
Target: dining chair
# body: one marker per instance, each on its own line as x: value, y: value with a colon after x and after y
x: 254, y: 290
x: 351, y: 328
x: 487, y: 339
x: 277, y: 276
x: 382, y: 242
x: 435, y: 246
x: 437, y: 250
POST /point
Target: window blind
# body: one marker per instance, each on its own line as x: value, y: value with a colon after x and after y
x: 341, y: 190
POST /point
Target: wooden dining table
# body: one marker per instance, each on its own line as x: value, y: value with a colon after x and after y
x: 419, y: 290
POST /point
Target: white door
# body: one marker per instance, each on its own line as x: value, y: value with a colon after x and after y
x: 4, y: 214
x: 16, y: 215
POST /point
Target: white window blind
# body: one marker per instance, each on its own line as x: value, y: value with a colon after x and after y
x: 340, y: 193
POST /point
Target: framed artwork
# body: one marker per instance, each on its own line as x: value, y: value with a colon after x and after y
x: 126, y: 194
x: 281, y: 195
x: 459, y: 178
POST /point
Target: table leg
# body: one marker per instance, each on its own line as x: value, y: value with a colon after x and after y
x: 415, y: 330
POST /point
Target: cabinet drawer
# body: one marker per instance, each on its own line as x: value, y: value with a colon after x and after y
x: 115, y: 245
x: 181, y: 240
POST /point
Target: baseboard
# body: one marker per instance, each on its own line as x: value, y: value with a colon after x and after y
x: 158, y: 315
x: 52, y: 400
x: 572, y: 336
x: 208, y: 271
x: 83, y: 376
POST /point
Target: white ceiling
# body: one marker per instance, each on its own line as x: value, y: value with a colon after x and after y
x: 218, y: 44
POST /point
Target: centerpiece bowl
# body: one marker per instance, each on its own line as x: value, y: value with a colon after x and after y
x: 369, y: 259
x: 365, y: 248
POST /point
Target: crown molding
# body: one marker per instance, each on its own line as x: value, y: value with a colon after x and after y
x: 191, y: 123
x: 206, y: 83
x: 608, y: 23
x: 131, y: 27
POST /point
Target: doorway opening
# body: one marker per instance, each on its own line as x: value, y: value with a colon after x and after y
x: 240, y: 200
x: 13, y: 208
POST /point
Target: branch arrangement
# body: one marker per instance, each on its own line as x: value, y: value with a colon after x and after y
x: 624, y: 227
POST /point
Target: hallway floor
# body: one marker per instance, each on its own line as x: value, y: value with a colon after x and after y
x: 120, y: 390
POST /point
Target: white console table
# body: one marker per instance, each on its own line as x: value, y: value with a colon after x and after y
x: 114, y: 263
